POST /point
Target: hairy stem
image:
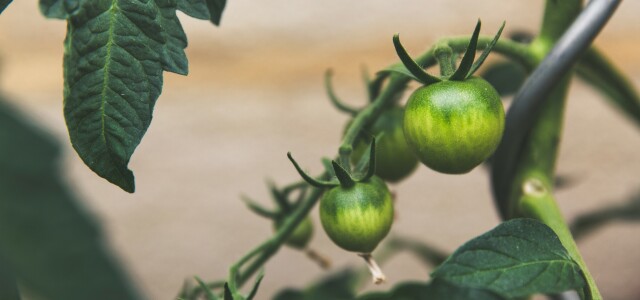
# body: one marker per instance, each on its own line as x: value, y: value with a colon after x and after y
x: 396, y: 84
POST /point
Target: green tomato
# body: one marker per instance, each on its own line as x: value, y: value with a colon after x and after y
x: 357, y: 218
x: 394, y: 158
x: 453, y: 126
x: 300, y: 236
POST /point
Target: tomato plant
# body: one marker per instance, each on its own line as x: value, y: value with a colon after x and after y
x: 116, y: 53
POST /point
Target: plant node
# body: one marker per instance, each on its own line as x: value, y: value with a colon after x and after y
x: 534, y: 187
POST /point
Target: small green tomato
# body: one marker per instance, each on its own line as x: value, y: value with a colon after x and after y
x: 453, y: 126
x: 301, y: 235
x: 358, y: 217
x: 394, y: 159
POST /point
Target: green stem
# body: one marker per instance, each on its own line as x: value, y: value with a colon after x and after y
x: 397, y: 83
x: 558, y: 16
x: 444, y: 56
x: 531, y: 188
x: 537, y: 202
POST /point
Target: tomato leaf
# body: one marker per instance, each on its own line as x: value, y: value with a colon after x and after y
x: 256, y: 285
x: 115, y: 52
x: 47, y: 240
x: 485, y: 53
x: 8, y: 284
x: 467, y: 59
x: 227, y: 292
x: 216, y: 7
x: 401, y: 69
x: 208, y: 293
x: 195, y: 8
x: 434, y: 290
x: 4, y: 4
x: 518, y: 258
x: 411, y: 65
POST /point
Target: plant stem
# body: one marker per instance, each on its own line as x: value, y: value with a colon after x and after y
x: 376, y: 272
x: 397, y: 83
x: 524, y: 165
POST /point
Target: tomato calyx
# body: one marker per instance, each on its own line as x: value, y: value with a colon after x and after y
x: 340, y: 175
x: 468, y: 65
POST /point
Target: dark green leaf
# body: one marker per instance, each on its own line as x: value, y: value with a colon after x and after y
x: 596, y: 70
x: 401, y: 69
x: 334, y: 98
x: 256, y: 285
x: 195, y: 8
x: 326, y: 163
x: 312, y: 181
x: 58, y: 9
x: 343, y: 175
x: 337, y: 286
x: 227, y: 292
x: 207, y: 291
x: 467, y: 59
x: 8, y: 284
x: 518, y: 258
x: 506, y: 77
x: 216, y: 7
x: 4, y: 4
x: 47, y: 239
x: 115, y: 52
x: 435, y: 290
x: 416, y: 70
x: 258, y: 209
x: 486, y: 52
x: 173, y: 57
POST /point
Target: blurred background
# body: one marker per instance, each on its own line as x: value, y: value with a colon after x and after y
x: 255, y: 92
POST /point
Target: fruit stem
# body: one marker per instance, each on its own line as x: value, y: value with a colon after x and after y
x: 444, y: 56
x: 376, y: 272
x: 318, y: 258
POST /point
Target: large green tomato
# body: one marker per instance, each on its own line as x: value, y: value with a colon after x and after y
x: 453, y: 126
x: 357, y: 218
x: 394, y: 158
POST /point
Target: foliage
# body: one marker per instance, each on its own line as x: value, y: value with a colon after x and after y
x: 115, y: 54
x: 518, y: 258
x: 47, y: 240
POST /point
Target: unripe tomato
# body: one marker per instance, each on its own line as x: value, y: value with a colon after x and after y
x: 453, y: 126
x: 357, y: 218
x: 394, y: 159
x: 301, y: 235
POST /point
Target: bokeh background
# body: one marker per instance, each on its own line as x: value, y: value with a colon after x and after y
x: 255, y: 92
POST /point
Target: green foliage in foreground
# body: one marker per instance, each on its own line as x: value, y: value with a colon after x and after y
x: 48, y: 242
